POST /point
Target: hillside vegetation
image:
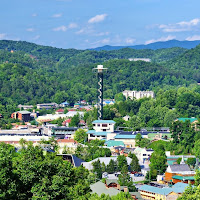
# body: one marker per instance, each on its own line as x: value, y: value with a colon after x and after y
x: 31, y: 73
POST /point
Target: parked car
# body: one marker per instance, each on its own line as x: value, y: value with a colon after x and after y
x: 134, y: 172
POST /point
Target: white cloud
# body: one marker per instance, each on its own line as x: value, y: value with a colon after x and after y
x: 97, y: 18
x: 34, y: 15
x: 85, y: 30
x: 103, y: 41
x: 194, y: 37
x: 162, y: 39
x: 80, y: 31
x: 73, y: 25
x: 102, y: 34
x: 30, y: 29
x: 180, y: 26
x: 36, y: 37
x: 60, y: 28
x: 130, y: 40
x: 57, y: 15
x: 2, y: 36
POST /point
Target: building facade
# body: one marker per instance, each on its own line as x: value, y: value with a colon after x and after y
x: 138, y: 94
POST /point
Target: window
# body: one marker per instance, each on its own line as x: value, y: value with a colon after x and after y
x: 104, y: 129
x: 94, y: 124
x: 98, y: 125
x: 144, y: 154
x: 104, y: 125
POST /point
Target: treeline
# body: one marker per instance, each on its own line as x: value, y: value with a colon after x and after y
x: 147, y: 112
x: 30, y: 174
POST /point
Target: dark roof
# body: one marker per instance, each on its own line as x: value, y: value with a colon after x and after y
x: 124, y: 132
x: 148, y: 132
x: 77, y: 161
x: 121, y: 148
x: 178, y: 168
x: 65, y: 128
x: 149, y: 149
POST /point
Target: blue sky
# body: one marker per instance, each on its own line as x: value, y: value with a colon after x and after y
x: 85, y: 24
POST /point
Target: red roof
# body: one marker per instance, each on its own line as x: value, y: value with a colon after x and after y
x: 66, y: 140
x: 60, y: 110
x: 82, y: 122
x: 66, y: 121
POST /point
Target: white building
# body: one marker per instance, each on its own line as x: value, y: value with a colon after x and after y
x: 143, y: 154
x: 25, y: 107
x: 47, y: 105
x: 103, y: 129
x: 51, y: 117
x: 141, y: 59
x: 103, y: 125
x: 138, y: 94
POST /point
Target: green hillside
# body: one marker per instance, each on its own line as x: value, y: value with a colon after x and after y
x: 188, y: 63
x: 30, y: 76
x: 33, y: 73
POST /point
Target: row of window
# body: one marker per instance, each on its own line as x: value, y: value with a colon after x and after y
x: 103, y: 125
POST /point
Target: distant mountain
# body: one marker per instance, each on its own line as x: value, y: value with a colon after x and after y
x: 154, y: 46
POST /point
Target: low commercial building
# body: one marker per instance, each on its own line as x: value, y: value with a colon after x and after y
x: 166, y: 193
x: 21, y: 115
x: 179, y: 173
x: 127, y: 139
x: 64, y: 132
x: 25, y: 107
x: 47, y: 106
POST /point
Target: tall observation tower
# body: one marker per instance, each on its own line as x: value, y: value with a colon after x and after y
x: 100, y: 71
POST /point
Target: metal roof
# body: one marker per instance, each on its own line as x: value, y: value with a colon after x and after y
x: 112, y: 143
x: 103, y: 133
x: 191, y: 178
x: 121, y: 136
x: 24, y: 112
x: 100, y: 188
x: 104, y: 121
x: 180, y: 187
x: 185, y: 119
x: 177, y: 188
x: 156, y: 190
x: 178, y: 168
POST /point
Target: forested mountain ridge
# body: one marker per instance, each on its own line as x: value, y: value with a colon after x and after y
x: 74, y: 57
x: 33, y: 73
x: 27, y: 75
x: 153, y: 46
x: 37, y: 50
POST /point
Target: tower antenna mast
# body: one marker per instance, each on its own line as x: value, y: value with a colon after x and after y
x: 100, y: 69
